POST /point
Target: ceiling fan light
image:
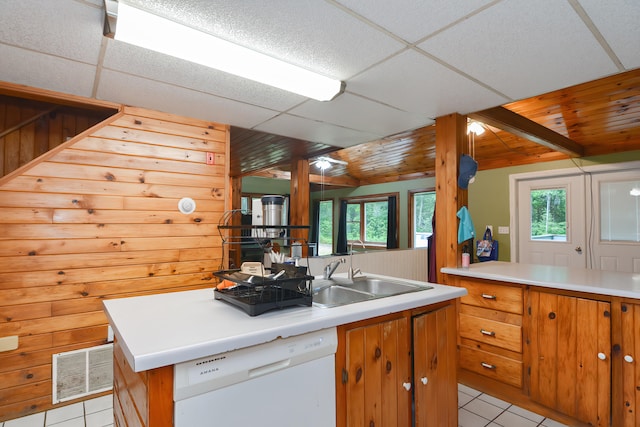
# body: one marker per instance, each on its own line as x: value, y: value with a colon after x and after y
x: 476, y: 128
x: 323, y: 164
x: 149, y: 31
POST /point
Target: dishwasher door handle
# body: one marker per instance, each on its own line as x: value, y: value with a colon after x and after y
x: 267, y: 369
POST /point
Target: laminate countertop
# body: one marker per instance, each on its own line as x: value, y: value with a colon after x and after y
x: 165, y: 329
x: 598, y: 282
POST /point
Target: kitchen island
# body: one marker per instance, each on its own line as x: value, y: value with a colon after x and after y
x: 562, y: 342
x: 155, y: 333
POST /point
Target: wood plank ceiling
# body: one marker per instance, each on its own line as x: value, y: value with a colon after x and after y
x: 600, y: 117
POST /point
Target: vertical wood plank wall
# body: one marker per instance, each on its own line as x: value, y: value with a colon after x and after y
x: 95, y: 218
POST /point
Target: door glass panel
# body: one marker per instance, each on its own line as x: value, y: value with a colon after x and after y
x: 325, y: 228
x: 620, y: 211
x: 423, y: 207
x: 549, y: 214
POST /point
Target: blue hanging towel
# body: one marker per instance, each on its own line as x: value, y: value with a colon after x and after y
x: 466, y: 230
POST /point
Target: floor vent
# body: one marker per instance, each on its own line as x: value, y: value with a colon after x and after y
x: 82, y: 372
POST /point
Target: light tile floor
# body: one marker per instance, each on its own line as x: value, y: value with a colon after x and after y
x: 475, y: 410
x: 481, y: 410
x: 96, y: 412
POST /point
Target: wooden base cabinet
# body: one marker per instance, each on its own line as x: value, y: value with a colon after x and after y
x: 570, y: 356
x: 626, y: 368
x: 389, y: 367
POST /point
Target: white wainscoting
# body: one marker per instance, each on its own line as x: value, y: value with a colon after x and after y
x: 409, y: 264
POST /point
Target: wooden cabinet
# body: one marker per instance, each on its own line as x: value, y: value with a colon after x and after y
x: 434, y: 367
x: 570, y: 355
x: 377, y: 364
x: 490, y: 328
x: 375, y: 383
x: 626, y: 348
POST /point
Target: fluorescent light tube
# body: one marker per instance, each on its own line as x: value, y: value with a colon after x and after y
x: 140, y: 28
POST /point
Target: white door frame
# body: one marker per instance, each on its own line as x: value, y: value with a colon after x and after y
x: 515, y: 179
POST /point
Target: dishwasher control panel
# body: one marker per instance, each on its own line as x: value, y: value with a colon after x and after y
x: 220, y: 370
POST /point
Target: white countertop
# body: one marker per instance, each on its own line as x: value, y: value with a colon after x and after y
x: 165, y: 329
x: 571, y: 279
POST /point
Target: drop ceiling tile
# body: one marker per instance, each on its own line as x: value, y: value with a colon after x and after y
x: 314, y: 131
x: 156, y: 66
x: 413, y: 19
x: 358, y: 113
x: 71, y: 31
x: 619, y: 23
x: 412, y: 82
x: 129, y: 90
x: 523, y: 48
x: 45, y: 71
x: 313, y: 34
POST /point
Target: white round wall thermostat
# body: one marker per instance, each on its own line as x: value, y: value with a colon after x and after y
x: 187, y: 205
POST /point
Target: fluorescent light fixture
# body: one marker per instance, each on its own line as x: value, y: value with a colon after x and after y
x: 476, y: 128
x: 144, y: 29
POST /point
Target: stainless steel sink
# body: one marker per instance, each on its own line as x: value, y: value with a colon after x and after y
x: 340, y: 291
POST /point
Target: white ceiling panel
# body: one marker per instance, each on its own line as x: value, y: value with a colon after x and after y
x: 309, y: 130
x: 423, y: 86
x: 524, y: 48
x: 358, y: 113
x: 312, y: 34
x: 155, y: 66
x: 412, y: 20
x: 618, y: 22
x: 45, y: 71
x: 159, y: 96
x: 73, y: 32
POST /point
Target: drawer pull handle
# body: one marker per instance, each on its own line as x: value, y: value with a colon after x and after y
x: 489, y: 296
x: 487, y: 333
x: 487, y: 365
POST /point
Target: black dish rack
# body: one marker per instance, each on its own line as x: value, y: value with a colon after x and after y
x: 257, y: 294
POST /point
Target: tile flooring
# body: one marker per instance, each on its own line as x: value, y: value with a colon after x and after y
x: 481, y: 410
x: 96, y: 412
x: 476, y: 410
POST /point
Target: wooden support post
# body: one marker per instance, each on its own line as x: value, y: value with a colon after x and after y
x: 451, y: 142
x: 300, y: 200
x: 234, y: 254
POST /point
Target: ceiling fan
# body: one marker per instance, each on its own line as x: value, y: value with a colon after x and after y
x: 324, y: 162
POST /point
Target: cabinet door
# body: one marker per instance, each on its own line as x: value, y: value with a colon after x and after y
x: 630, y: 352
x: 378, y: 363
x: 570, y: 356
x: 434, y: 364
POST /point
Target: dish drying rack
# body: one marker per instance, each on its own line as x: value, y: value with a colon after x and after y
x: 255, y: 234
x: 286, y: 286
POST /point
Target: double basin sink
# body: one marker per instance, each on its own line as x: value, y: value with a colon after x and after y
x: 339, y: 291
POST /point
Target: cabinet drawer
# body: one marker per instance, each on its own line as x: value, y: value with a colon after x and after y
x: 500, y: 368
x: 492, y: 295
x: 491, y: 332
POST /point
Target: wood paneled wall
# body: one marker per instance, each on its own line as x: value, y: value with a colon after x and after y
x: 30, y: 128
x: 95, y: 218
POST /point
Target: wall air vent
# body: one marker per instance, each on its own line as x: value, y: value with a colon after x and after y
x: 82, y: 372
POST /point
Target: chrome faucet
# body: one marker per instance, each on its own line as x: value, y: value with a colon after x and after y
x: 330, y: 268
x: 353, y: 272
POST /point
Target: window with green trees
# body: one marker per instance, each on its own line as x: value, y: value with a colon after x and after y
x: 423, y: 204
x: 325, y: 228
x: 367, y: 220
x: 549, y: 214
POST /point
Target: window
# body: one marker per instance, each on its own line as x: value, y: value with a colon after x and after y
x: 422, y: 204
x: 367, y: 220
x: 549, y: 214
x: 620, y: 211
x: 325, y: 228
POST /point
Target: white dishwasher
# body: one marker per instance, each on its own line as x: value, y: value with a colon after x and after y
x: 285, y: 382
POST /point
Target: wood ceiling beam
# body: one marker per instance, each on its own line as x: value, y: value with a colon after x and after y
x: 522, y: 127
